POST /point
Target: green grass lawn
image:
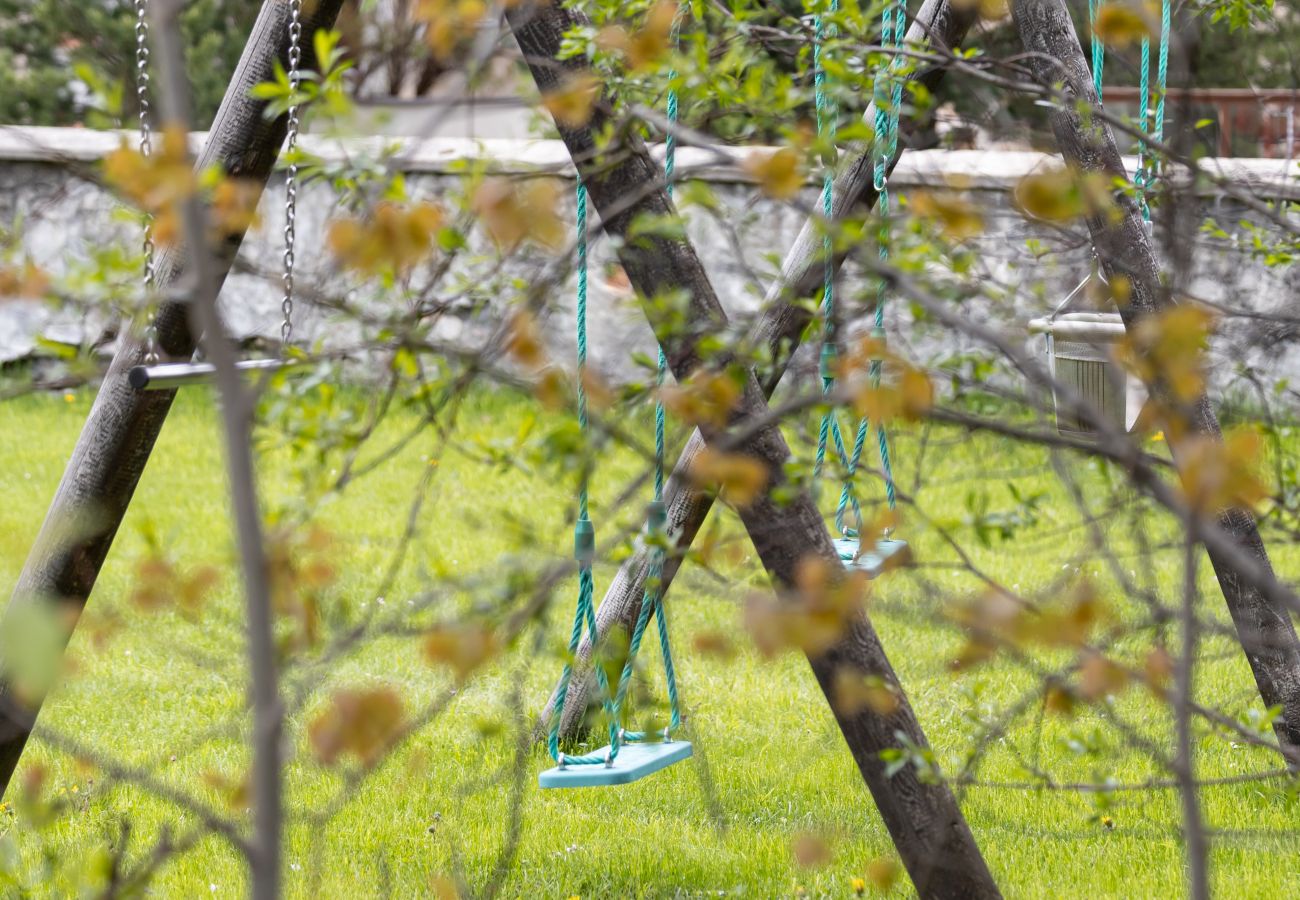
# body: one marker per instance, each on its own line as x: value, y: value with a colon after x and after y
x: 163, y: 691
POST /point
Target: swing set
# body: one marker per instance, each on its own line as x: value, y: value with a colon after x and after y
x: 629, y: 755
x: 632, y: 755
x: 1079, y: 342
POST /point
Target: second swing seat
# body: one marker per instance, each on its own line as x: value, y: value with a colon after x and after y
x: 874, y: 560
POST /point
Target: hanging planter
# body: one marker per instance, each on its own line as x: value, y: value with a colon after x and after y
x: 1080, y: 353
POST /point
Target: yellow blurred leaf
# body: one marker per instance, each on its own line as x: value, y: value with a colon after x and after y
x: 810, y: 850
x: 1099, y: 677
x: 955, y: 215
x: 450, y: 25
x: 445, y: 889
x: 706, y: 398
x: 461, y: 647
x: 650, y: 44
x: 1218, y: 475
x: 159, y: 583
x: 599, y: 395
x: 1059, y: 701
x: 882, y: 872
x: 740, y: 478
x: 158, y: 183
x: 392, y: 237
x: 815, y: 617
x: 524, y: 340
x: 361, y: 723
x: 991, y: 10
x: 715, y: 644
x: 855, y: 692
x: 779, y: 174
x: 513, y: 212
x: 27, y: 281
x: 234, y: 792
x: 916, y: 391
x: 552, y: 389
x: 234, y: 205
x: 613, y: 38
x: 1059, y: 195
x: 1122, y: 25
x: 572, y: 102
x: 1169, y: 348
x: 1158, y: 667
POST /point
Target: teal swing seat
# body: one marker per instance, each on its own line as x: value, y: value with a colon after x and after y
x: 874, y: 561
x: 633, y: 762
x: 629, y: 756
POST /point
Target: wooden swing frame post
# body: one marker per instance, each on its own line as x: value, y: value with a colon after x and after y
x: 1126, y: 251
x: 929, y: 831
x: 932, y: 837
x: 119, y: 434
x: 780, y: 330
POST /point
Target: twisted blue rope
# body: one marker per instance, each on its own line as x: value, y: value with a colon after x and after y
x: 584, y: 619
x: 1153, y: 125
x: 888, y: 104
x: 1098, y: 48
x: 656, y: 525
x: 886, y: 146
x: 1162, y: 71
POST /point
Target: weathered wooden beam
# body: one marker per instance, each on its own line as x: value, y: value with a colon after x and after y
x: 124, y: 423
x: 932, y: 837
x: 780, y: 330
x: 1126, y: 250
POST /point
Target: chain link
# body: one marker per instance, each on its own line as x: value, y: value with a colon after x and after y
x: 291, y: 176
x: 146, y: 149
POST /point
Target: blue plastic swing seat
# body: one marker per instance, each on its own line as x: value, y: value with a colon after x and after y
x: 634, y: 761
x: 874, y: 561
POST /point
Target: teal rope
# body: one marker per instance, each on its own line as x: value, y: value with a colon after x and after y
x: 1162, y: 71
x: 652, y: 599
x: 1144, y: 98
x: 581, y: 315
x: 888, y: 104
x: 1098, y: 48
x: 584, y: 619
x: 825, y: 127
x: 1154, y: 126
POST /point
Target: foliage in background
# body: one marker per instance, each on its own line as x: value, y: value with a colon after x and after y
x: 74, y: 63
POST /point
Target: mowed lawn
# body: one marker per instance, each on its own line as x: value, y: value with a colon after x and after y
x: 163, y: 692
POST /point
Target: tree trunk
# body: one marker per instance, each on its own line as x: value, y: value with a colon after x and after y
x: 1127, y: 251
x: 928, y: 829
x: 780, y: 329
x: 119, y: 434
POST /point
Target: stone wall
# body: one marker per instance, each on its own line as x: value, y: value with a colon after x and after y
x: 67, y: 223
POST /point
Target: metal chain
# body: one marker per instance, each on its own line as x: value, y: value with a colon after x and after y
x: 146, y: 149
x: 291, y: 176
